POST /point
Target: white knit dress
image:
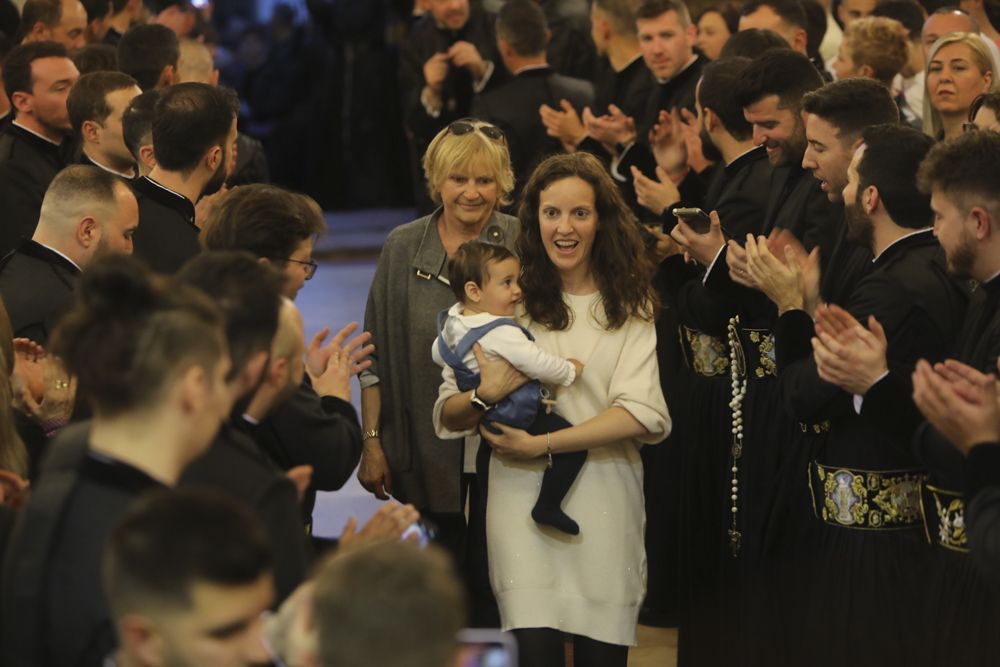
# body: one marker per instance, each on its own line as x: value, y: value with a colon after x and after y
x: 590, y: 584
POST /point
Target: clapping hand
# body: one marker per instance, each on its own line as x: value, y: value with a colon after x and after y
x: 564, y: 125
x: 847, y: 354
x: 465, y: 54
x: 959, y: 401
x: 703, y: 248
x: 667, y: 143
x: 331, y: 366
x: 611, y: 129
x: 42, y: 388
x: 791, y: 284
x: 655, y: 194
x: 387, y: 524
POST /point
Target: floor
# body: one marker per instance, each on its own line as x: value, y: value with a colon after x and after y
x: 337, y: 294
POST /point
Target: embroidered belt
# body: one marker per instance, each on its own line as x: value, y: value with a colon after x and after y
x: 815, y: 429
x: 866, y: 499
x: 944, y: 518
x: 756, y: 353
x: 705, y: 355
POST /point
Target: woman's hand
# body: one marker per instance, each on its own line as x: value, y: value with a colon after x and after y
x: 513, y: 442
x: 373, y: 472
x: 497, y: 378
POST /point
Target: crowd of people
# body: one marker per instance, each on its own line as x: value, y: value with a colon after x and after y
x: 698, y: 326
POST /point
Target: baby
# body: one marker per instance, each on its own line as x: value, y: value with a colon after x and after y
x: 484, y: 279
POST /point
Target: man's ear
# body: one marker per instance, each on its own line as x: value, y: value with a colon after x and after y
x: 213, y: 158
x: 38, y: 33
x: 23, y: 102
x: 194, y: 386
x: 88, y: 232
x: 800, y: 41
x: 253, y: 370
x: 867, y: 71
x: 91, y: 131
x: 277, y: 371
x: 139, y: 637
x: 984, y: 222
x: 711, y: 120
x: 871, y: 199
x: 147, y: 155
x: 168, y: 77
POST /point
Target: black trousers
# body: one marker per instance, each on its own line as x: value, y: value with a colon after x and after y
x: 545, y: 647
x: 466, y: 542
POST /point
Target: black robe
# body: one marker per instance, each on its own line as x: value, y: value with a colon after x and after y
x: 28, y: 163
x: 167, y: 235
x: 513, y: 107
x: 37, y: 287
x: 308, y: 429
x: 233, y: 465
x: 864, y: 591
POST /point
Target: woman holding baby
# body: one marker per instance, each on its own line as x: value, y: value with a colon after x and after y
x: 587, y: 296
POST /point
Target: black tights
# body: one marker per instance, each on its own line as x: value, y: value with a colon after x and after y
x: 545, y: 647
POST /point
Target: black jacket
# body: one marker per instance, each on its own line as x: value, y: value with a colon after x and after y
x: 307, y: 429
x: 167, y: 236
x: 28, y: 164
x: 513, y: 107
x: 234, y: 466
x: 37, y: 287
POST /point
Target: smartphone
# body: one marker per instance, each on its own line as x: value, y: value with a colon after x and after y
x: 487, y: 648
x: 695, y: 218
x: 424, y: 531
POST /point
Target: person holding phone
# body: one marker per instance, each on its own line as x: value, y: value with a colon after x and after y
x: 588, y: 296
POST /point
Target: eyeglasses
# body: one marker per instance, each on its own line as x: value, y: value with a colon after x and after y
x: 466, y: 125
x: 311, y: 271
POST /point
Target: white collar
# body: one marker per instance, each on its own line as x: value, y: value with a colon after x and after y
x: 904, y: 236
x: 63, y: 255
x: 163, y: 187
x: 40, y: 136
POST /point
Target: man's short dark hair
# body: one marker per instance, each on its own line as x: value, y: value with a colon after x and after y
x: 815, y: 26
x: 79, y: 184
x: 715, y: 92
x: 391, y: 589
x: 729, y: 13
x: 989, y: 100
x: 892, y: 156
x: 621, y: 14
x: 145, y: 51
x: 118, y: 6
x: 88, y: 99
x: 470, y: 264
x: 17, y: 65
x: 907, y: 12
x: 265, y: 220
x: 781, y: 72
x: 751, y: 43
x: 966, y: 169
x: 137, y: 121
x: 790, y: 11
x: 521, y: 23
x: 851, y: 105
x: 96, y: 9
x: 954, y: 9
x: 95, y: 58
x: 169, y: 541
x: 248, y: 294
x: 650, y: 9
x: 47, y: 12
x: 191, y: 118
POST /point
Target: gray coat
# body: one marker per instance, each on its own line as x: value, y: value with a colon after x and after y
x: 409, y: 289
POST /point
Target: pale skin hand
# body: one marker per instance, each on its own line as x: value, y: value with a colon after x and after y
x: 373, y: 471
x: 300, y: 476
x: 386, y: 525
x: 564, y: 125
x: 612, y: 425
x: 14, y: 490
x: 781, y: 242
x: 959, y: 401
x: 27, y: 375
x: 665, y: 245
x: 656, y: 195
x: 847, y: 354
x: 465, y: 54
x: 611, y: 129
x: 703, y: 248
x: 736, y: 262
x: 331, y: 366
x: 58, y: 394
x: 692, y: 141
x: 435, y: 71
x: 578, y: 367
x: 785, y: 283
x: 497, y: 379
x: 667, y: 142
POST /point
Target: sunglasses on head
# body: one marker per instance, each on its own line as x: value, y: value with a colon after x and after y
x: 464, y: 126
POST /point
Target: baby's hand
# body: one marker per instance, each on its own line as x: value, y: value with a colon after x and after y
x: 578, y: 366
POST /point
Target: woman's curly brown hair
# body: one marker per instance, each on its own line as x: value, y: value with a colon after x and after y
x: 618, y: 262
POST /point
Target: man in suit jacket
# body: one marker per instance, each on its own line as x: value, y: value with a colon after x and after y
x: 86, y: 213
x: 38, y: 78
x: 522, y: 33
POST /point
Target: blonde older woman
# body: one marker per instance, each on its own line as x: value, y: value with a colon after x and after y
x: 469, y: 175
x: 960, y: 67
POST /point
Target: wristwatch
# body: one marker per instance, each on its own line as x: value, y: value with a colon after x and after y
x: 371, y: 435
x: 478, y: 403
